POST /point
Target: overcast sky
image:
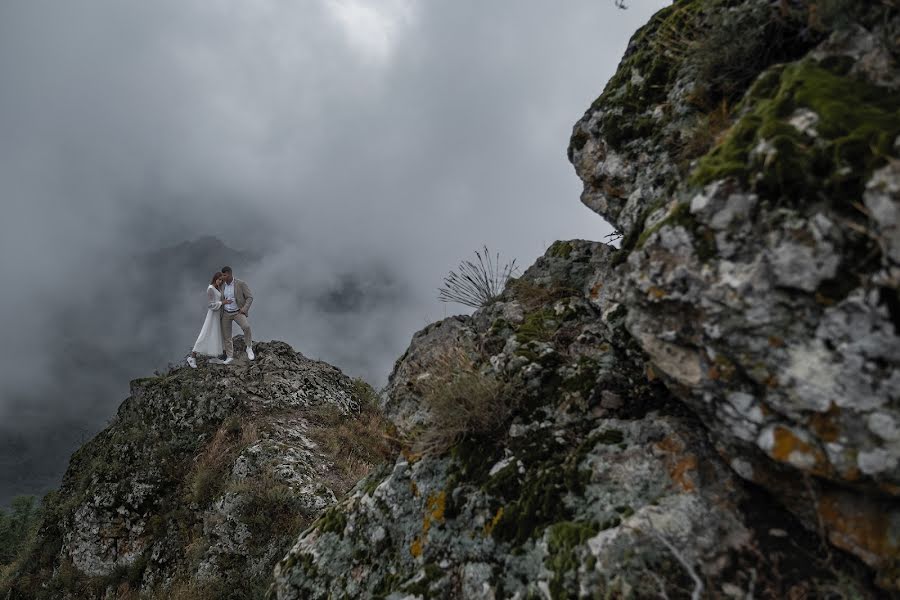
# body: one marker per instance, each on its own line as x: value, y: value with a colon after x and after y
x: 328, y: 135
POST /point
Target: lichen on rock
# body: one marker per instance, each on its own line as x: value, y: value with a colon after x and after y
x: 761, y: 280
x: 600, y: 481
x: 196, y: 487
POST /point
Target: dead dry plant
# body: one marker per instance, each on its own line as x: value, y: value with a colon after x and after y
x: 533, y: 296
x: 207, y: 475
x: 709, y: 131
x: 461, y: 401
x: 355, y: 443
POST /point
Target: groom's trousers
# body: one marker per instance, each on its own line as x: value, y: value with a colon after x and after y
x: 241, y: 320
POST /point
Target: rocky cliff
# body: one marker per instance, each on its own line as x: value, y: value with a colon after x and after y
x: 201, y: 481
x: 760, y: 272
x: 712, y: 409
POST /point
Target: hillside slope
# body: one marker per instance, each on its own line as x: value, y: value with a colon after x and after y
x: 200, y: 482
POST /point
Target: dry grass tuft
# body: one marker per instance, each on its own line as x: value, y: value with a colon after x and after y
x: 533, y: 296
x: 708, y: 132
x: 270, y: 507
x: 461, y: 400
x: 357, y: 442
x: 208, y: 474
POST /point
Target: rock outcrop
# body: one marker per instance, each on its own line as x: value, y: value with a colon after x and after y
x: 760, y: 272
x: 600, y: 482
x: 198, y: 485
x: 711, y: 408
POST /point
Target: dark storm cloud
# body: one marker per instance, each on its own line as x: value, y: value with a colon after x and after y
x: 377, y: 142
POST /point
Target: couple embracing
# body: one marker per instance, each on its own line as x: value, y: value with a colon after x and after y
x: 228, y: 301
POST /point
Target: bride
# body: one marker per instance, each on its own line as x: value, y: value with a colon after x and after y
x: 209, y: 342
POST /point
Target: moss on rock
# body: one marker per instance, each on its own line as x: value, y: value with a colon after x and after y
x: 854, y: 128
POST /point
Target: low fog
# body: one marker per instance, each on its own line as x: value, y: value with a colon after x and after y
x: 341, y: 155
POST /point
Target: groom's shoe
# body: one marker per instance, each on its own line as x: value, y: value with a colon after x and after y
x: 228, y: 361
x: 250, y: 354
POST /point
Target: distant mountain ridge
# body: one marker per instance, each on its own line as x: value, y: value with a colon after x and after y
x: 195, y: 260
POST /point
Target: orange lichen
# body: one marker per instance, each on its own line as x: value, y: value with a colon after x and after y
x: 410, y: 456
x: 858, y: 526
x: 890, y: 488
x: 416, y: 548
x: 656, y: 292
x: 823, y: 424
x: 489, y: 526
x: 414, y: 488
x: 786, y: 444
x: 434, y: 512
x: 436, y: 504
x: 680, y: 465
x: 679, y: 472
x: 595, y: 290
x: 670, y: 444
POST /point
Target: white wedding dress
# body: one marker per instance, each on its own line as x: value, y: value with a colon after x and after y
x: 209, y: 342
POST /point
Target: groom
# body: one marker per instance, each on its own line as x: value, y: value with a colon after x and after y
x: 236, y: 301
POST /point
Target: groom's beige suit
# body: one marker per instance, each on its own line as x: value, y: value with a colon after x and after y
x: 243, y: 298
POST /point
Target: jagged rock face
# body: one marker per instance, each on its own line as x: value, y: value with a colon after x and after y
x: 759, y: 267
x: 747, y: 151
x: 695, y: 412
x: 197, y: 486
x: 599, y: 482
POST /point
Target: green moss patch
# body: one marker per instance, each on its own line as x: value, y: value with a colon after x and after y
x: 643, y: 78
x: 533, y: 500
x: 857, y: 125
x: 332, y: 521
x: 560, y: 249
x: 563, y: 539
x: 538, y: 325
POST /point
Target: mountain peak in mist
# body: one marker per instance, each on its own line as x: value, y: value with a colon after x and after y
x: 196, y: 259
